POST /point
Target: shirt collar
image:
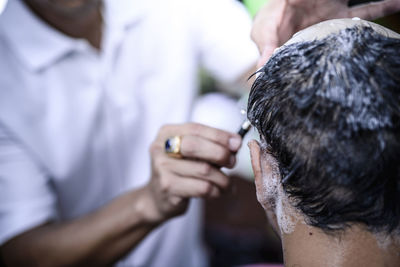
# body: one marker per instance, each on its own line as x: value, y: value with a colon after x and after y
x: 38, y: 45
x: 34, y: 42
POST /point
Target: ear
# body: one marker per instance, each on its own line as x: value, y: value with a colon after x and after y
x: 266, y: 175
x: 262, y: 172
x: 255, y: 155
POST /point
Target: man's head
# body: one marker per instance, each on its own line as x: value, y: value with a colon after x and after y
x: 328, y: 112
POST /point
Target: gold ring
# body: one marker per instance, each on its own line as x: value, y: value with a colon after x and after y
x: 173, y: 146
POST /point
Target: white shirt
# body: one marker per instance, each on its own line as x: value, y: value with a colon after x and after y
x: 76, y: 124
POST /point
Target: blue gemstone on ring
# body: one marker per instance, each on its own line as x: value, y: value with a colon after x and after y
x: 172, y: 146
x: 168, y: 145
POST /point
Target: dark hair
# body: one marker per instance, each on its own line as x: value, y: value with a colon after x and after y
x: 329, y: 111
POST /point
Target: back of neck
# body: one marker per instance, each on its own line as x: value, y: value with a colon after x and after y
x: 308, y: 246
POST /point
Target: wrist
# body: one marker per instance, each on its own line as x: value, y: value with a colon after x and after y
x: 146, y: 208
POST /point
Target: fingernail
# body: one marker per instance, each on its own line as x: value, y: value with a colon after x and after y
x: 234, y: 143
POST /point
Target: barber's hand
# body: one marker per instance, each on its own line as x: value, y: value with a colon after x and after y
x: 278, y: 20
x: 204, y: 151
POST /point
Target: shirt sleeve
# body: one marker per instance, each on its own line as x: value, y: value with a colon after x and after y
x: 224, y: 28
x: 26, y: 199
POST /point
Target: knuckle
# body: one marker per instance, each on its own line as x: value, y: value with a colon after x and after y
x: 222, y: 155
x: 166, y: 131
x: 204, y: 169
x: 175, y: 201
x: 222, y: 138
x: 163, y: 163
x: 225, y: 182
x: 195, y: 127
x: 165, y: 185
x: 191, y: 125
x: 205, y: 189
x: 159, y: 161
x: 188, y: 146
x: 165, y: 127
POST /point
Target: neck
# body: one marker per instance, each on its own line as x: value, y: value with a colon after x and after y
x: 83, y: 20
x: 309, y: 246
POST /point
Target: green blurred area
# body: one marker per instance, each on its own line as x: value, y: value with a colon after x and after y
x: 391, y: 22
x: 254, y: 5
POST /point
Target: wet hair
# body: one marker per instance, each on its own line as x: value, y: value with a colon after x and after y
x: 329, y: 111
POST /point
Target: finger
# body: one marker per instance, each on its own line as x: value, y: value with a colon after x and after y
x: 375, y: 10
x: 267, y: 52
x: 187, y: 187
x: 231, y: 140
x: 265, y: 29
x: 200, y: 170
x: 196, y: 147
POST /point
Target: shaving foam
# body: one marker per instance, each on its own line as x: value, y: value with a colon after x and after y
x: 273, y: 197
x: 383, y: 240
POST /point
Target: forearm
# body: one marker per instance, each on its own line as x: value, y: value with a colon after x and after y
x: 97, y: 239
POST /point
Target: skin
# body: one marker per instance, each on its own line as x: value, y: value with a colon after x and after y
x: 104, y: 236
x: 278, y: 20
x: 307, y: 245
x: 311, y: 247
